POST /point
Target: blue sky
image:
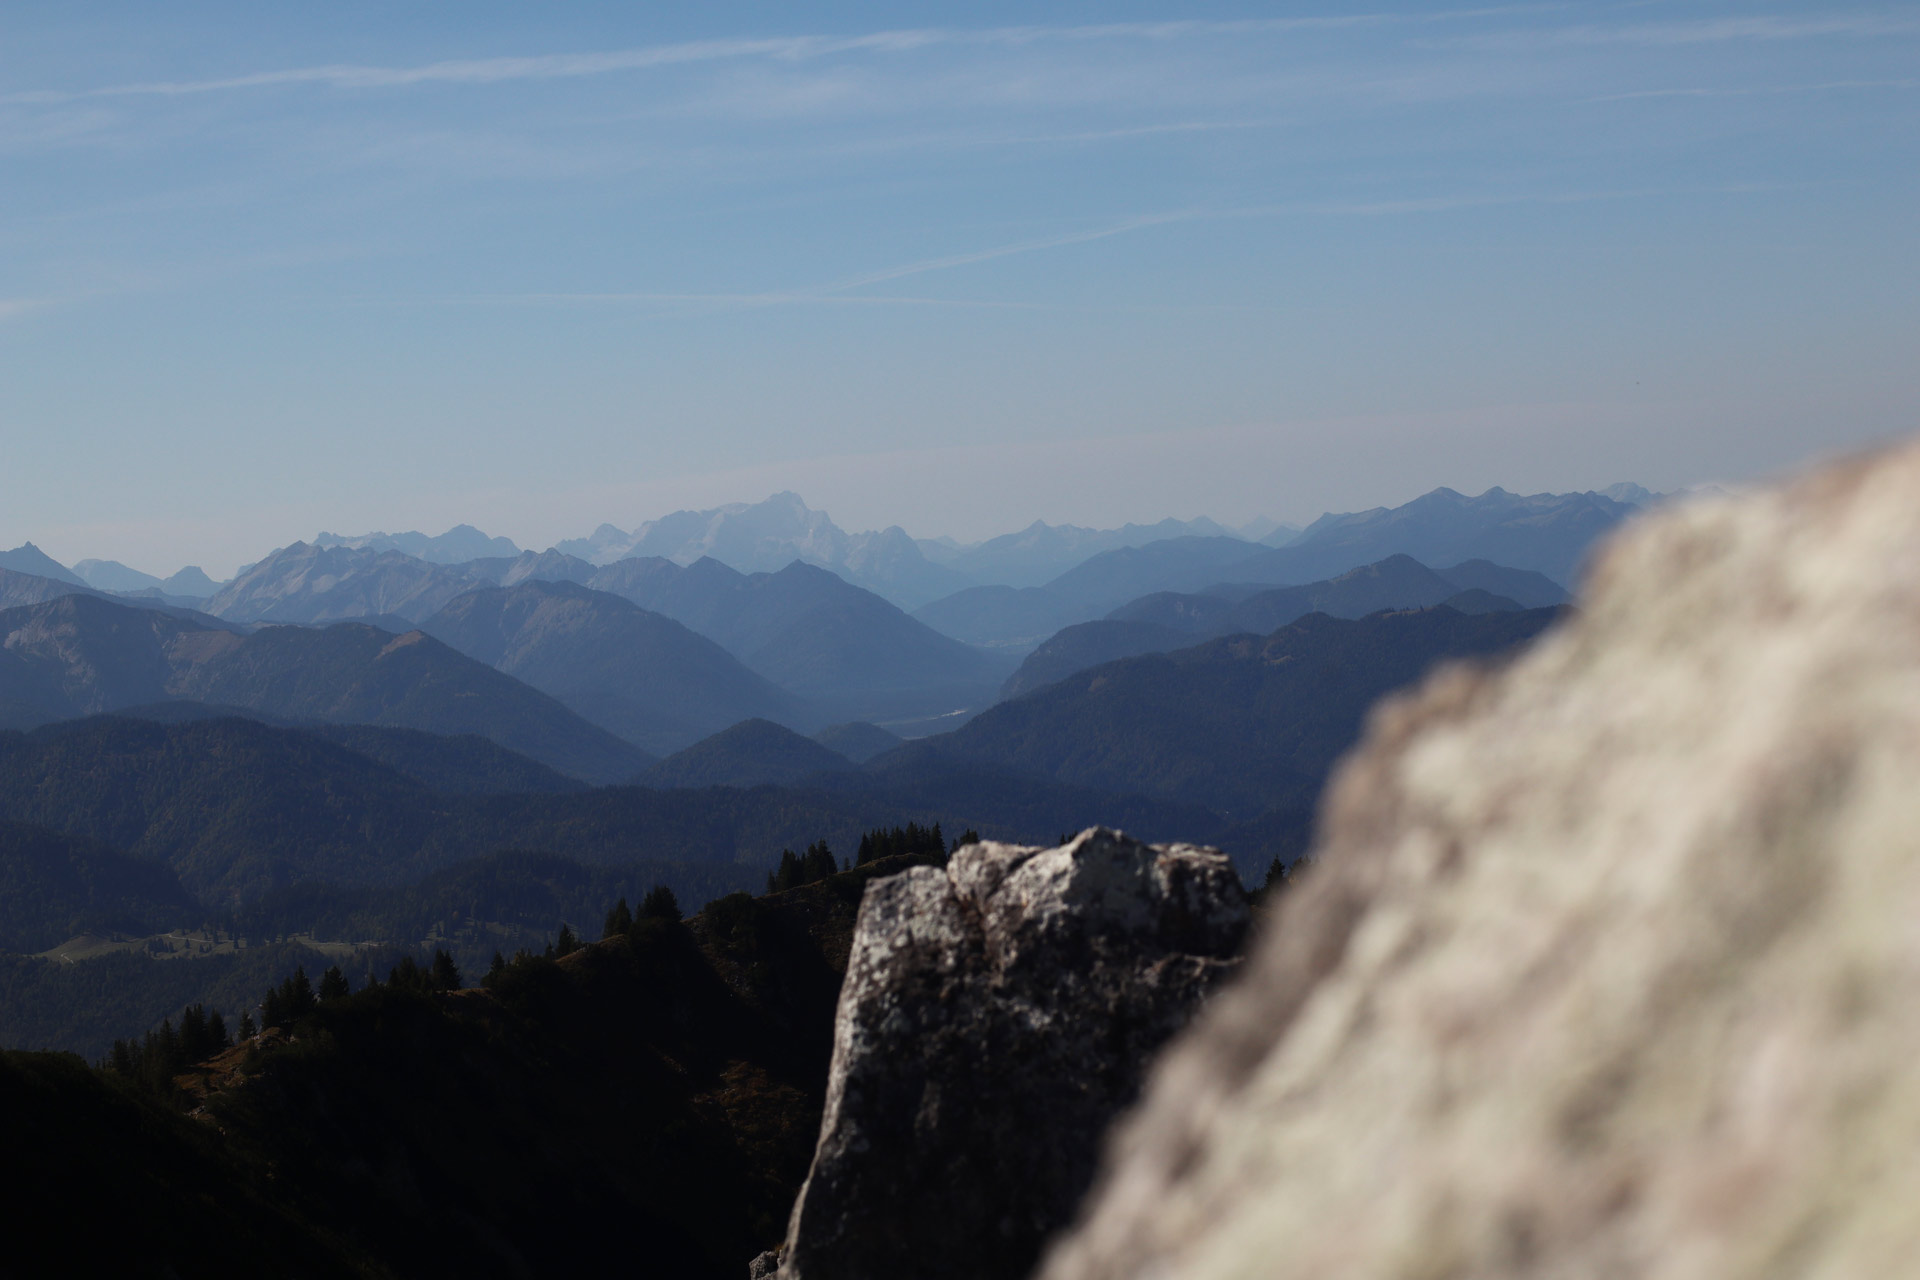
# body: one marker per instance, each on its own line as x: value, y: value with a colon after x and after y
x: 267, y: 269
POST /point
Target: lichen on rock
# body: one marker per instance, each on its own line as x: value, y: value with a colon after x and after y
x: 997, y: 1013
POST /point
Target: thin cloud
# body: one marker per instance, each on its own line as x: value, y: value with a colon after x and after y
x: 488, y: 71
x: 1830, y: 86
x: 1005, y: 251
x: 838, y: 292
x: 1698, y: 32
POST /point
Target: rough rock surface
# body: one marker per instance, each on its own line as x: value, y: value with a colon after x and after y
x: 997, y: 1014
x: 1608, y: 968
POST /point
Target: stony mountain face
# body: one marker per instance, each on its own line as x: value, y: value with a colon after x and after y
x: 457, y: 545
x: 996, y: 1014
x: 305, y: 583
x: 1607, y: 964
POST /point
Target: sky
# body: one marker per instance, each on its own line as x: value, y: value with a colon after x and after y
x: 268, y: 269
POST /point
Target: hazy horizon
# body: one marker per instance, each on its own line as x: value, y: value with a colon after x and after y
x: 949, y: 268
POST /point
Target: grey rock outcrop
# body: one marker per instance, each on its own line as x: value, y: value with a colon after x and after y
x: 996, y: 1015
x: 1607, y: 968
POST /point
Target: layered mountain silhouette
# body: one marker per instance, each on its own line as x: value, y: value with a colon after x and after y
x: 1548, y: 534
x: 766, y: 536
x: 1241, y: 724
x: 27, y: 558
x: 843, y: 652
x: 305, y: 583
x: 1168, y: 620
x: 633, y: 672
x: 238, y: 808
x: 750, y: 754
x: 190, y: 583
x: 457, y: 545
x: 1016, y: 619
x: 82, y: 654
x: 849, y: 652
x: 1041, y: 552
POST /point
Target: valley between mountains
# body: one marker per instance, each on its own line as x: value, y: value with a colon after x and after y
x: 260, y: 839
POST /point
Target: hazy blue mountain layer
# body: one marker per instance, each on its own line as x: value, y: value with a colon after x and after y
x: 767, y: 536
x: 83, y: 654
x: 635, y: 673
x: 849, y: 652
x: 27, y: 558
x: 457, y: 545
x: 1016, y: 619
x: 1545, y: 534
x: 1241, y: 724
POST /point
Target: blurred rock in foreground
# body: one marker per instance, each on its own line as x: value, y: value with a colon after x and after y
x: 997, y: 1014
x: 1609, y: 967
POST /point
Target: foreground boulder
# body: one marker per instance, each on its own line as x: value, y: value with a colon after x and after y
x: 996, y: 1015
x: 1608, y: 967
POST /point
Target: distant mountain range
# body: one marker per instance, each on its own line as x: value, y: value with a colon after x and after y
x: 850, y: 653
x: 636, y: 674
x: 82, y: 654
x: 1546, y: 534
x: 1169, y: 620
x: 191, y: 583
x: 457, y: 545
x: 769, y: 535
x: 765, y: 536
x: 1242, y: 725
x: 27, y: 558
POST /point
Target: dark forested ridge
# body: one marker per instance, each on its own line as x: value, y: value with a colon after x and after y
x: 238, y: 809
x: 53, y: 886
x: 748, y: 754
x: 651, y: 1104
x: 1239, y: 725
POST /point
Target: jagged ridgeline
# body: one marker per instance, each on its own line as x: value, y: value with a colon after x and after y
x: 651, y: 1102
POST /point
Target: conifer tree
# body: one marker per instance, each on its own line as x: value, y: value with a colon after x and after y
x: 444, y: 976
x: 494, y: 970
x: 333, y: 984
x: 247, y: 1030
x: 660, y: 904
x: 619, y: 920
x: 566, y: 944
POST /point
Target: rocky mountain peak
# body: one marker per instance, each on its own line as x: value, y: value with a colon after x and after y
x: 997, y: 1013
